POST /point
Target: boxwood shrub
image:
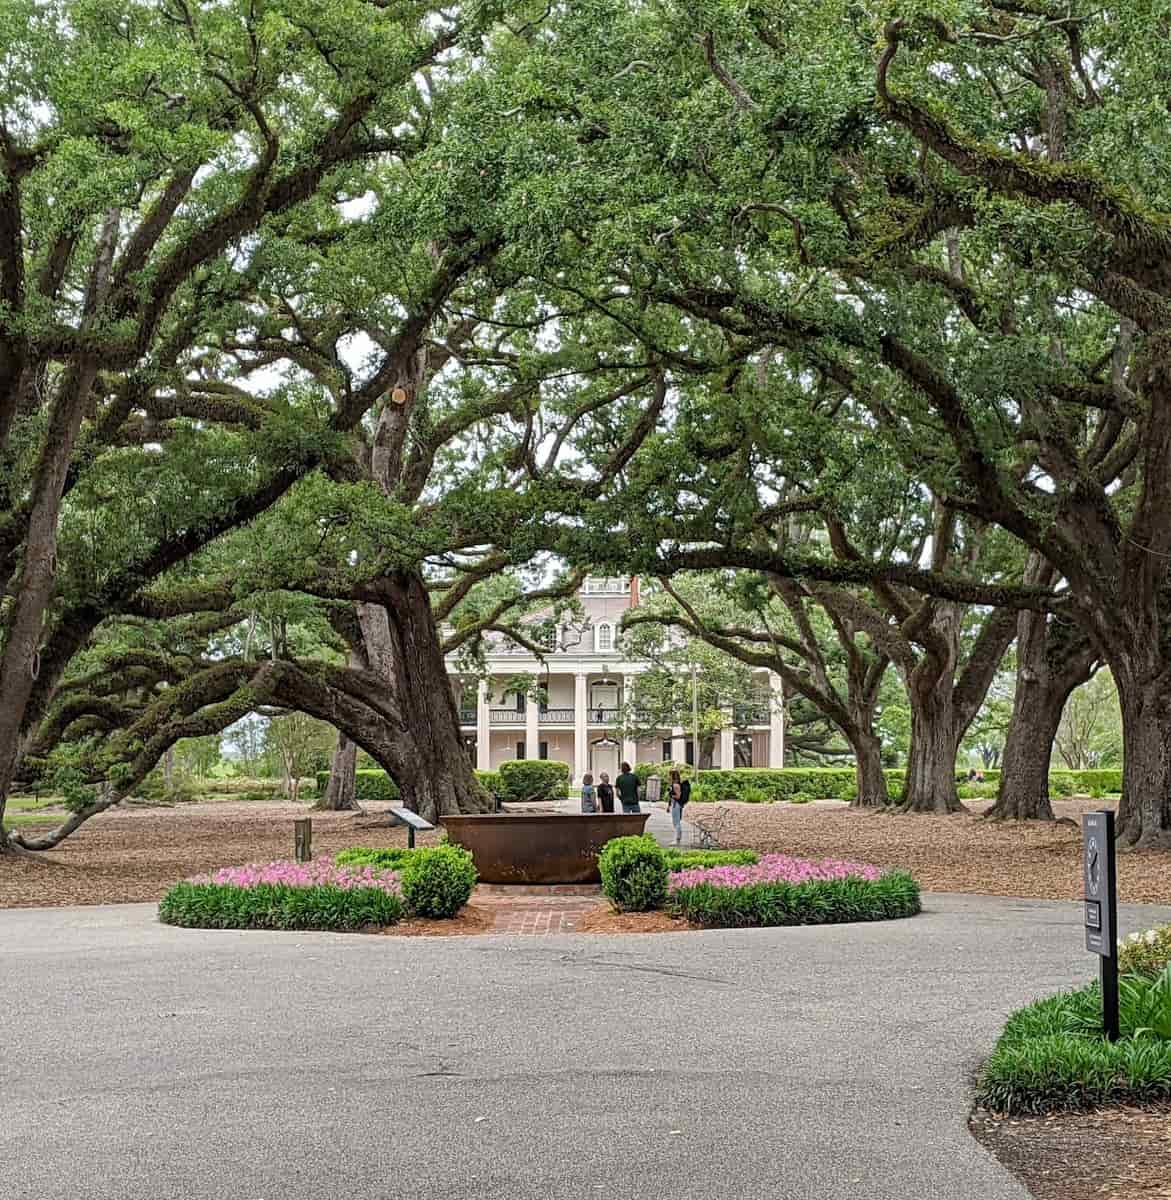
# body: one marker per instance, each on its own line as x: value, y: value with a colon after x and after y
x: 491, y: 782
x: 533, y: 779
x: 277, y: 906
x: 1052, y: 1057
x: 634, y: 873
x: 437, y: 881
x: 821, y: 902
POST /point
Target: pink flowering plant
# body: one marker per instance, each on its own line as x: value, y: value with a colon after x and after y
x: 781, y: 890
x: 286, y: 895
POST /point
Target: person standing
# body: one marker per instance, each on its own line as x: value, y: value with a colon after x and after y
x: 606, y: 794
x: 627, y: 786
x: 589, y: 794
x: 678, y: 794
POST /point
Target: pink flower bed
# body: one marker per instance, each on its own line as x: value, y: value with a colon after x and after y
x: 772, y: 868
x: 318, y: 873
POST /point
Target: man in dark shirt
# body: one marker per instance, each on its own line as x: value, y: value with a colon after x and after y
x: 627, y: 787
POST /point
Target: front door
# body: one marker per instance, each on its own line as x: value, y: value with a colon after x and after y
x: 604, y: 757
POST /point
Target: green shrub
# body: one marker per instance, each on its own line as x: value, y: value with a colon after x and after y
x: 1052, y: 1056
x: 701, y: 794
x: 277, y: 906
x: 1104, y: 781
x: 390, y: 858
x: 684, y: 860
x: 491, y: 782
x: 369, y: 784
x: 663, y: 770
x: 821, y: 902
x: 1146, y: 953
x: 634, y: 873
x: 1061, y: 783
x: 437, y: 881
x: 754, y: 795
x: 533, y: 779
x: 800, y: 798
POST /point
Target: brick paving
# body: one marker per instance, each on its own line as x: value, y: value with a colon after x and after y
x: 537, y: 911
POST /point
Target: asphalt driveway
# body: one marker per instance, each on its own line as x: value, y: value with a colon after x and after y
x: 147, y: 1063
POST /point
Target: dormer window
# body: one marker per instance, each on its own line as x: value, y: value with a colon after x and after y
x: 603, y: 638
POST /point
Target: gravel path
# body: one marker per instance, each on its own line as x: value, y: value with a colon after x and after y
x: 148, y: 1063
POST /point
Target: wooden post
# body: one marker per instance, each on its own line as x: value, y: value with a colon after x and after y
x: 303, y: 839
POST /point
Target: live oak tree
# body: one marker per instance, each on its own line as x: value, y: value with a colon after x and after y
x: 954, y: 223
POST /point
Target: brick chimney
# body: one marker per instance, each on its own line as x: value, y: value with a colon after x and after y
x: 634, y: 591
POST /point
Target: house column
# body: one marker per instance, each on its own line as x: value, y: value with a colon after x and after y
x: 532, y: 730
x: 483, y: 728
x: 776, y: 713
x: 678, y: 745
x: 581, y: 752
x: 727, y: 745
x: 629, y: 746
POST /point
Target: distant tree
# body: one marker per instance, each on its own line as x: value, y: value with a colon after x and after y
x: 1090, y: 733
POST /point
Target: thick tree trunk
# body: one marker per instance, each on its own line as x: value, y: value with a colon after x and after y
x: 931, y: 764
x: 1024, y: 769
x: 1144, y: 812
x: 868, y: 771
x: 1053, y: 658
x: 339, y: 794
x: 402, y: 646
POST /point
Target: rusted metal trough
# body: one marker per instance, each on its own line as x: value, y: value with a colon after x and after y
x: 540, y: 847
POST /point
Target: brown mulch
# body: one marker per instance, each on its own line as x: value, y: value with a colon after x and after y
x: 959, y: 853
x: 604, y: 919
x: 135, y: 854
x: 471, y: 919
x: 1112, y: 1154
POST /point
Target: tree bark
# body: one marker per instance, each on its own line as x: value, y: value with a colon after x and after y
x: 402, y: 646
x: 931, y: 764
x: 339, y: 794
x: 869, y: 772
x: 1053, y: 658
x: 1144, y: 812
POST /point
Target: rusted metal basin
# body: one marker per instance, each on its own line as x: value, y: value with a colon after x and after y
x: 540, y: 847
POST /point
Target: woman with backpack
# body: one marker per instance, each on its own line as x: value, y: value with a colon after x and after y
x: 679, y: 792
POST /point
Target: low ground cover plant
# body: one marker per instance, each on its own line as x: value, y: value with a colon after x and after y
x: 1052, y: 1055
x: 437, y: 881
x: 681, y: 860
x: 779, y: 890
x: 389, y: 858
x: 285, y: 895
x: 634, y: 873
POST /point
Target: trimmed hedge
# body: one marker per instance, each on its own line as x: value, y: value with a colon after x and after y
x: 490, y: 781
x: 369, y: 784
x: 533, y: 779
x: 685, y: 860
x: 634, y: 873
x: 437, y: 881
x: 277, y: 906
x: 1052, y: 1057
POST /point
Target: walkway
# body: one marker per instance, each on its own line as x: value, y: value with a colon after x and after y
x: 148, y: 1063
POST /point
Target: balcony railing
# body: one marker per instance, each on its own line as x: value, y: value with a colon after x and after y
x: 467, y: 716
x: 557, y: 716
x: 602, y: 716
x: 505, y: 716
x: 750, y: 715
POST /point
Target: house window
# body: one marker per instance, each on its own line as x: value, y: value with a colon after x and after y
x: 666, y: 751
x: 520, y: 702
x: 544, y: 750
x: 604, y: 638
x: 689, y: 752
x: 520, y: 749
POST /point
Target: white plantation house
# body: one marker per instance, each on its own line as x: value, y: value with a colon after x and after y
x: 587, y: 680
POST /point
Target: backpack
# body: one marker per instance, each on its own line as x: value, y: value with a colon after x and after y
x: 684, y: 792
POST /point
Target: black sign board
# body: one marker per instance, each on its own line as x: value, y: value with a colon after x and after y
x: 1100, y: 909
x: 412, y: 820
